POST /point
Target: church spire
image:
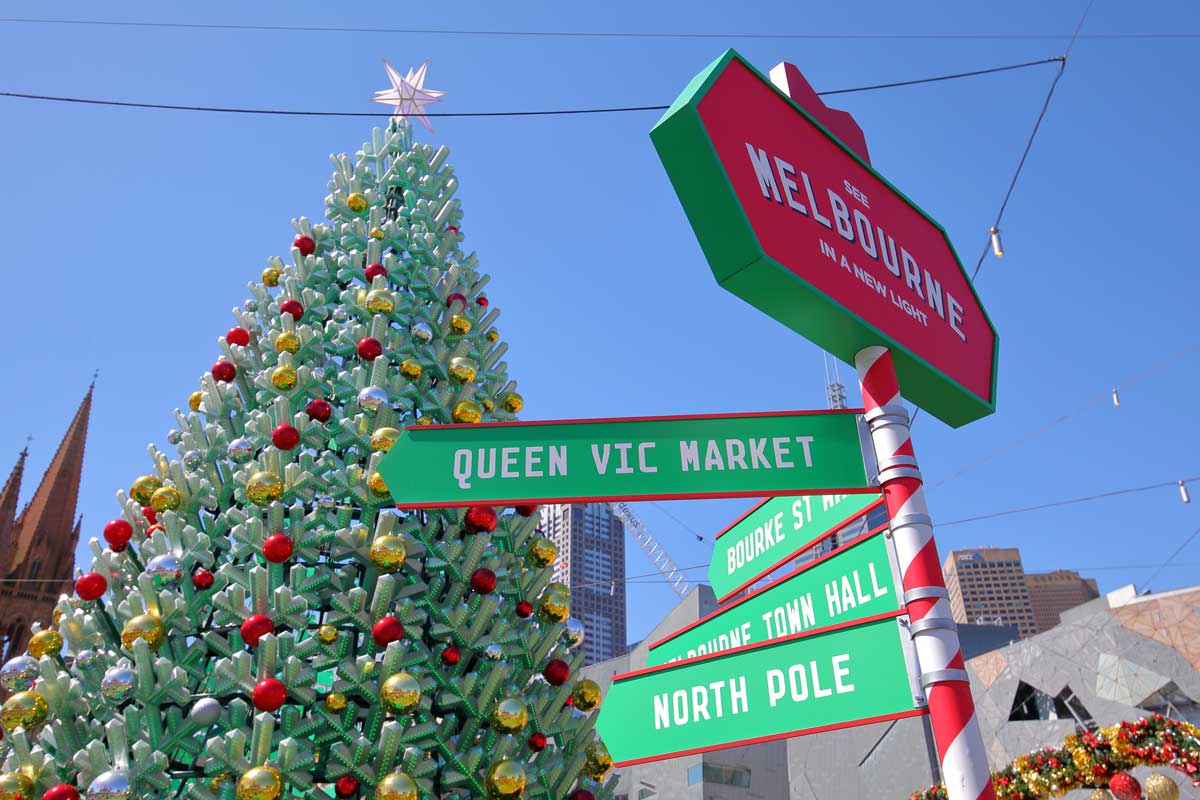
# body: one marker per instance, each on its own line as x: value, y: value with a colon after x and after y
x: 8, y: 509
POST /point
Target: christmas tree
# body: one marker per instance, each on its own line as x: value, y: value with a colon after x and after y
x: 260, y: 620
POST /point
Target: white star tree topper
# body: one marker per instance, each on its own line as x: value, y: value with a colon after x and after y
x: 408, y: 94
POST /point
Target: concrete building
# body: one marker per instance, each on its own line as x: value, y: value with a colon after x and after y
x: 1055, y: 592
x: 591, y: 561
x: 988, y: 585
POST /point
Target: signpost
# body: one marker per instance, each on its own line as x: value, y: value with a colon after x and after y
x: 774, y: 532
x: 849, y: 584
x: 833, y: 678
x: 640, y: 458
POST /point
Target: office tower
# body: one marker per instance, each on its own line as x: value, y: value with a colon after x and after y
x: 1054, y: 592
x: 987, y: 585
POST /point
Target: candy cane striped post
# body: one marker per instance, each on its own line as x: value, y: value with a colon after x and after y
x: 960, y: 747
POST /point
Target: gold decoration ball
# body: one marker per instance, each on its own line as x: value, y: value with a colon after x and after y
x: 1160, y: 787
x: 45, y: 643
x: 270, y: 276
x: 357, y: 202
x: 492, y: 336
x: 1101, y: 794
x: 167, y: 498
x: 598, y: 762
x: 513, y: 402
x: 541, y: 552
x: 284, y: 378
x: 554, y: 587
x: 376, y: 233
x: 586, y: 694
x: 24, y: 709
x: 217, y: 781
x: 383, y: 439
x: 368, y: 668
x: 506, y: 780
x: 487, y: 403
x: 287, y: 342
x: 144, y: 488
x: 411, y: 368
x: 15, y: 786
x: 510, y: 715
x: 335, y: 701
x: 195, y: 399
x: 423, y: 421
x: 379, y: 301
x: 462, y: 370
x: 326, y: 634
x: 377, y: 486
x: 264, y: 488
x: 388, y: 552
x: 143, y: 626
x: 260, y: 783
x: 459, y: 324
x: 466, y: 411
x: 396, y: 786
x: 554, y: 607
x: 400, y: 692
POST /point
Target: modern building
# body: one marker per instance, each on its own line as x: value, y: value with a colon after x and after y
x: 591, y: 561
x: 1055, y: 592
x: 988, y: 586
x: 37, y: 545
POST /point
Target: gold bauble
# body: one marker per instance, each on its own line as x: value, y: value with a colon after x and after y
x: 598, y: 763
x: 586, y: 694
x: 166, y: 498
x: 506, y: 780
x: 15, y: 786
x: 45, y: 643
x: 554, y: 606
x: 462, y: 370
x: 396, y: 786
x: 466, y: 411
x: 401, y: 692
x: 510, y: 715
x: 270, y: 276
x: 1160, y: 787
x: 24, y: 709
x: 143, y: 626
x: 144, y: 488
x: 1101, y: 794
x: 459, y: 324
x: 379, y: 301
x: 377, y: 486
x: 492, y: 336
x: 260, y: 783
x: 284, y: 378
x: 335, y: 701
x: 195, y: 399
x: 388, y: 552
x: 423, y: 421
x: 513, y: 402
x: 487, y: 403
x: 264, y: 488
x: 56, y: 616
x: 368, y: 668
x: 554, y: 587
x: 287, y: 342
x: 357, y: 202
x: 411, y: 368
x: 376, y: 233
x: 383, y: 439
x: 217, y: 781
x: 326, y: 634
x: 541, y: 552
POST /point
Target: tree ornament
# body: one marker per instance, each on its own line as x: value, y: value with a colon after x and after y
x: 380, y: 301
x: 1101, y: 794
x: 481, y: 301
x: 506, y: 780
x: 451, y: 655
x: 153, y: 529
x: 143, y: 626
x: 91, y: 586
x: 372, y: 398
x: 480, y: 519
x: 223, y: 371
x: 205, y: 712
x: 387, y: 630
x: 369, y: 348
x: 285, y: 436
x: 1124, y: 786
x: 277, y: 548
x: 411, y: 369
x: 167, y: 498
x: 293, y: 307
x: 581, y: 794
x: 492, y: 336
x: 284, y: 378
x: 396, y: 786
x: 460, y: 324
x: 537, y: 742
x: 510, y: 715
x: 541, y: 552
x: 238, y: 335
x: 513, y: 402
x: 462, y: 370
x: 574, y: 633
x: 383, y: 439
x: 586, y: 695
x: 264, y: 488
x: 164, y: 570
x: 260, y: 783
x: 554, y: 606
x: 483, y: 581
x: 487, y: 403
x: 149, y: 514
x: 556, y: 672
x: 269, y: 694
x: 63, y: 791
x: 493, y: 652
x: 524, y: 609
x: 307, y: 247
x: 388, y: 552
x: 144, y: 488
x: 526, y: 509
x: 327, y: 634
x: 15, y: 786
x: 319, y: 410
x: 270, y: 276
x: 26, y: 709
x: 195, y: 399
x: 376, y: 233
x: 374, y: 271
x: 377, y: 485
x: 287, y: 342
x: 335, y: 701
x: 192, y: 460
x: 400, y: 692
x: 19, y: 673
x: 466, y: 412
x: 240, y: 450
x: 255, y: 627
x: 1161, y: 787
x: 456, y: 297
x: 598, y: 762
x: 45, y: 643
x: 202, y: 579
x: 110, y: 785
x: 357, y: 202
x: 422, y: 332
x: 118, y: 683
x: 346, y: 786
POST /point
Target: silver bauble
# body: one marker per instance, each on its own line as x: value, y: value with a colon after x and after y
x: 339, y: 315
x: 174, y: 436
x: 85, y: 658
x: 192, y: 459
x: 372, y: 399
x: 118, y: 683
x: 493, y: 652
x: 111, y: 785
x: 574, y: 633
x: 240, y: 450
x: 325, y: 502
x: 19, y: 674
x: 422, y: 332
x: 164, y: 570
x: 205, y: 712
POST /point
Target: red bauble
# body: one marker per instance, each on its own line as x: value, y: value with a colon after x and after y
x: 451, y: 655
x: 202, y: 579
x: 318, y: 409
x: 64, y: 791
x: 224, y: 371
x: 277, y: 548
x: 292, y: 307
x: 556, y: 672
x: 373, y: 271
x: 524, y: 609
x: 150, y: 514
x: 346, y: 786
x: 269, y: 694
x: 457, y: 296
x: 369, y: 349
x: 581, y: 794
x: 117, y: 533
x: 570, y: 701
x: 91, y: 586
x: 481, y: 300
x: 305, y: 245
x: 537, y: 742
x: 483, y: 581
x: 526, y: 510
x: 285, y: 436
x: 238, y: 335
x: 1124, y: 786
x: 388, y: 629
x: 480, y: 519
x: 452, y: 229
x: 255, y: 627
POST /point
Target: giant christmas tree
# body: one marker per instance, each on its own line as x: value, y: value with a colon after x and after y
x: 261, y: 621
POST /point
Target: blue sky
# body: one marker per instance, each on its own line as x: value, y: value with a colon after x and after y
x: 131, y: 234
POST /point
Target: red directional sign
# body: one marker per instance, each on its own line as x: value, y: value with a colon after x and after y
x: 795, y: 223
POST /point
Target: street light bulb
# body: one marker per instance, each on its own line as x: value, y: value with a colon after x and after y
x: 997, y: 246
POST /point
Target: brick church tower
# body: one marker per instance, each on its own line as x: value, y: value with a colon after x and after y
x: 37, y: 546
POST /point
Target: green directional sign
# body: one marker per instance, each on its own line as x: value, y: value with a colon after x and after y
x: 846, y: 585
x: 794, y: 686
x: 775, y: 531
x: 640, y: 458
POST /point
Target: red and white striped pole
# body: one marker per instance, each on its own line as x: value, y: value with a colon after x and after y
x: 960, y: 746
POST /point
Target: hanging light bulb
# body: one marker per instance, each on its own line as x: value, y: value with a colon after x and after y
x: 1183, y: 493
x: 997, y: 247
x: 1116, y: 398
